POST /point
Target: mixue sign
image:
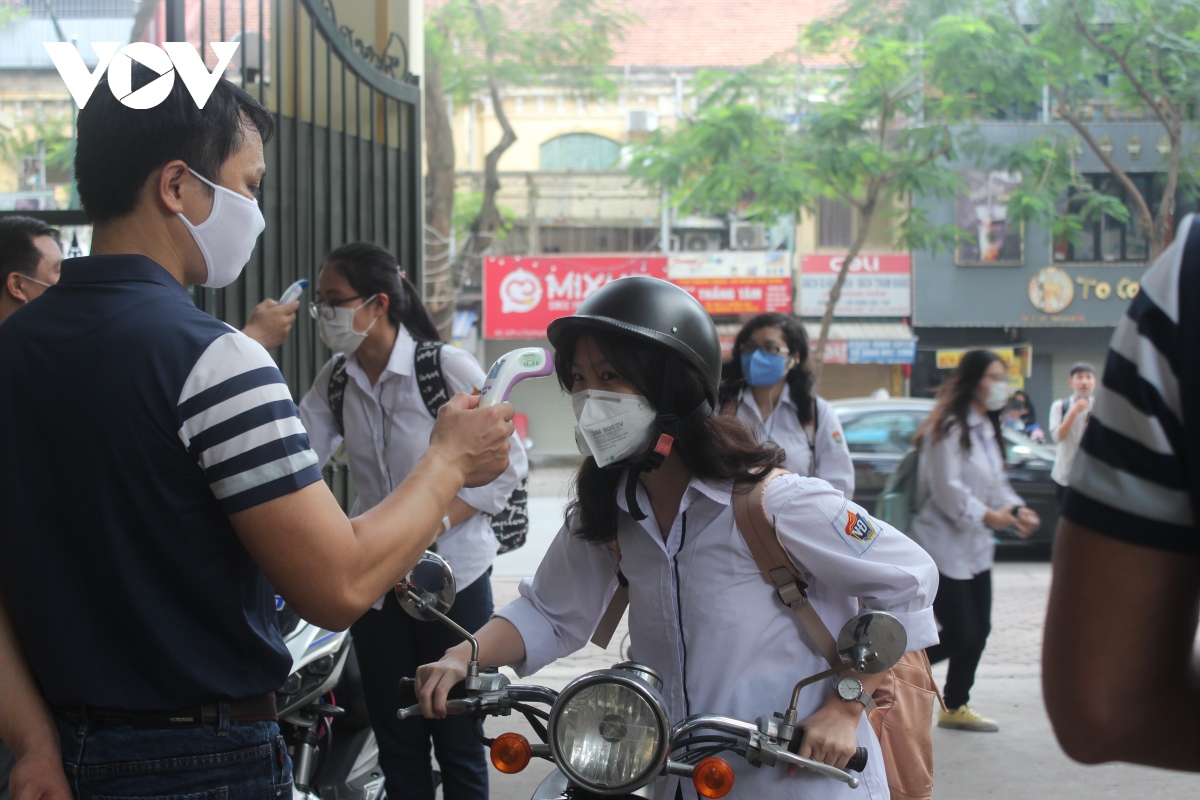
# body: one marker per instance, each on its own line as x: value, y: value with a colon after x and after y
x: 878, y: 285
x: 171, y: 58
x: 524, y: 294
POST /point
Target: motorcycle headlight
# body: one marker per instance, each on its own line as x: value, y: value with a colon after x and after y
x: 609, y: 731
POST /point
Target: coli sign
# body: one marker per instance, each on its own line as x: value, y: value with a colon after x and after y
x: 172, y: 58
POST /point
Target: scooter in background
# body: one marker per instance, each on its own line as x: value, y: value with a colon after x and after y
x: 323, y: 715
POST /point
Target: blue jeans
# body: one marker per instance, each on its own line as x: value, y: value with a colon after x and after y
x: 390, y: 645
x: 112, y: 761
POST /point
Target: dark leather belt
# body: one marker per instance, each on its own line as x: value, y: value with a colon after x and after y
x: 250, y: 709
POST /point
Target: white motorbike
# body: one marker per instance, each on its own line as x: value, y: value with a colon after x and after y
x: 608, y: 733
x: 322, y: 715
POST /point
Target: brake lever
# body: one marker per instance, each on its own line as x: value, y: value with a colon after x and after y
x: 465, y: 704
x: 816, y: 766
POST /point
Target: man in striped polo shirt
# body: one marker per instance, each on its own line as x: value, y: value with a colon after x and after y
x: 1120, y: 674
x: 158, y: 486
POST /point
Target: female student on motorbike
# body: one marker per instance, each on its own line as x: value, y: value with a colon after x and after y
x: 963, y: 476
x: 641, y: 360
x: 769, y: 386
x: 373, y: 320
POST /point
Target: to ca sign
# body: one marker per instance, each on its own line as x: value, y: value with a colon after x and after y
x: 171, y: 58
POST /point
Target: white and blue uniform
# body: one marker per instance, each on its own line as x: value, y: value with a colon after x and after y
x: 824, y: 456
x: 701, y: 613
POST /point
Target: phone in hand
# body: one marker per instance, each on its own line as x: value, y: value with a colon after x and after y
x: 293, y: 292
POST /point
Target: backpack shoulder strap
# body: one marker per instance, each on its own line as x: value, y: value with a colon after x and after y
x: 427, y: 364
x: 335, y: 393
x: 776, y: 565
x: 616, y: 607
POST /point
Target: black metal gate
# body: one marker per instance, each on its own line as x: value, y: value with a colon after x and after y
x: 344, y: 164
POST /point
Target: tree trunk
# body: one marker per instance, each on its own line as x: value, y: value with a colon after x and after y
x: 817, y: 355
x: 146, y: 12
x: 441, y: 291
x: 487, y: 224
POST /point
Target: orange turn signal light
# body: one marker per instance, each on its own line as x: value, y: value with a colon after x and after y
x: 511, y: 753
x: 713, y: 778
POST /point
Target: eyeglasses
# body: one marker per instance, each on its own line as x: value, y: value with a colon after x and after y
x: 770, y: 348
x: 317, y: 309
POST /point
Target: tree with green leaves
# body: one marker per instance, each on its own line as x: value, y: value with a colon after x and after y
x: 1083, y: 59
x: 480, y: 48
x: 777, y: 138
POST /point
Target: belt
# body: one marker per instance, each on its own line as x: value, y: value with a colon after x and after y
x: 250, y: 709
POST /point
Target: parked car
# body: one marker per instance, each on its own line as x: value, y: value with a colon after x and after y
x: 879, y: 433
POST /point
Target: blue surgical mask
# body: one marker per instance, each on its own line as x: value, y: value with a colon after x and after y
x: 763, y: 369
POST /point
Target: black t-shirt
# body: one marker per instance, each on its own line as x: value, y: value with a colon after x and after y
x: 1135, y: 477
x: 136, y: 424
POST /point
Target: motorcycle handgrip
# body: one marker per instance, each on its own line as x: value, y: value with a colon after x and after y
x: 857, y: 762
x: 408, y: 692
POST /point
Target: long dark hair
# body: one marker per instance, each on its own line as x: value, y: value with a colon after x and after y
x: 370, y: 269
x: 720, y: 448
x: 799, y: 378
x: 954, y: 400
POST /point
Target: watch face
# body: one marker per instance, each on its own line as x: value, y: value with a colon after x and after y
x: 849, y: 688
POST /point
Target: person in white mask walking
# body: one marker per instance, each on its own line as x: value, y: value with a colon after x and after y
x: 769, y: 386
x: 377, y: 395
x: 964, y: 497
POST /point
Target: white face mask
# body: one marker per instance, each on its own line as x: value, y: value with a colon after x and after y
x: 997, y: 397
x: 612, y: 426
x: 338, y: 333
x: 226, y: 239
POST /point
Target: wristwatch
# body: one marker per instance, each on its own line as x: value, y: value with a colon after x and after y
x: 851, y: 689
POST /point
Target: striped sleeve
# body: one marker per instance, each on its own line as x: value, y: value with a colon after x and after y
x: 1130, y: 479
x: 241, y: 426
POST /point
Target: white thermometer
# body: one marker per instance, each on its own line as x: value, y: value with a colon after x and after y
x: 512, y: 368
x: 293, y: 292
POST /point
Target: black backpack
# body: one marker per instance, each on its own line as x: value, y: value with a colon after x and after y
x: 511, y: 525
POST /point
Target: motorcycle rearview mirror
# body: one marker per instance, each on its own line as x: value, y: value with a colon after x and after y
x: 430, y: 585
x: 869, y: 643
x: 873, y: 641
x: 426, y: 594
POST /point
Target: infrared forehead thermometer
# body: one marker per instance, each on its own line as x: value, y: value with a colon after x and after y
x: 293, y: 292
x: 512, y: 368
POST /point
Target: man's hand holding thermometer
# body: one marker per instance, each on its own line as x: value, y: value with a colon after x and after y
x: 271, y: 322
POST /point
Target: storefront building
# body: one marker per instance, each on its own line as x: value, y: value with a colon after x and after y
x: 1043, y: 305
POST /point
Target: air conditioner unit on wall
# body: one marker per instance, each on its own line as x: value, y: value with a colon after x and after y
x: 747, y: 236
x: 642, y: 120
x: 701, y: 241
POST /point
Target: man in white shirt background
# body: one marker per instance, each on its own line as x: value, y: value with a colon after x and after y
x: 1068, y: 420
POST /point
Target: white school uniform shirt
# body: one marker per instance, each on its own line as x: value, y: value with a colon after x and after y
x: 702, y: 614
x: 387, y: 432
x: 1066, y: 445
x: 964, y: 486
x: 784, y: 429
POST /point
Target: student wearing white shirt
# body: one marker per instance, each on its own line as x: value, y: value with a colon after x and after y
x: 641, y: 357
x: 373, y: 319
x: 769, y: 385
x: 961, y: 477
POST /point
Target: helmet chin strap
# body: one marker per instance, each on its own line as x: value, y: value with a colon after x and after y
x: 670, y: 427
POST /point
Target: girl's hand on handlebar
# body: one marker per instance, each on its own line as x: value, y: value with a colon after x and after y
x: 434, y: 681
x: 831, y: 733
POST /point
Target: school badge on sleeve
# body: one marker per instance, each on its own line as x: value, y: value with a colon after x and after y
x: 856, y: 527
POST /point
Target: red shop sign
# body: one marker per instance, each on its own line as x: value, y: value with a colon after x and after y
x: 740, y: 295
x: 524, y: 294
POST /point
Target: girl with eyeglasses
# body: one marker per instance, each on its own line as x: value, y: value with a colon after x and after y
x: 373, y: 320
x: 769, y: 386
